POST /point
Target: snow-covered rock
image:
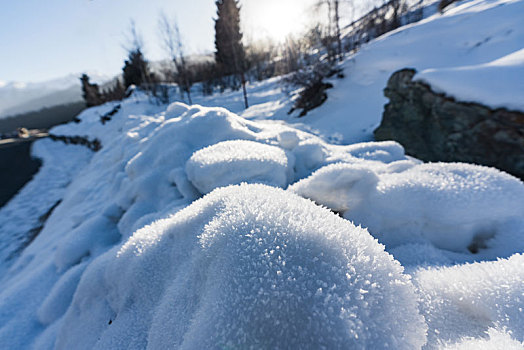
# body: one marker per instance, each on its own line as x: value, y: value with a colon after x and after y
x: 125, y: 260
x: 236, y: 161
x: 339, y: 186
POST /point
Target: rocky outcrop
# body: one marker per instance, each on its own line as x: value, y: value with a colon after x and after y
x: 434, y: 127
x: 93, y: 145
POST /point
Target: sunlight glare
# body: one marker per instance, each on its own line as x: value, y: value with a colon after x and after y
x: 275, y: 19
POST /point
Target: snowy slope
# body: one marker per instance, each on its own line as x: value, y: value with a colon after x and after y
x: 174, y: 236
x: 472, y: 52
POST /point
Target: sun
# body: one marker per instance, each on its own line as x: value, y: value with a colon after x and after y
x: 274, y: 19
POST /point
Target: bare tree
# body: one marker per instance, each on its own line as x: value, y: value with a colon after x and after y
x: 174, y: 46
x: 333, y: 25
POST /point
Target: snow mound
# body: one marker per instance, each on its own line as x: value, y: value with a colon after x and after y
x: 232, y: 162
x: 466, y: 300
x: 339, y: 186
x: 453, y: 206
x: 497, y: 340
x: 247, y: 266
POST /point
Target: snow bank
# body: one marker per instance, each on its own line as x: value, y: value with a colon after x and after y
x: 27, y: 210
x: 233, y: 162
x: 466, y: 300
x: 453, y: 206
x: 339, y: 186
x: 246, y: 266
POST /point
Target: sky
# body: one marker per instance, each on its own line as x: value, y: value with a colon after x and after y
x: 41, y: 40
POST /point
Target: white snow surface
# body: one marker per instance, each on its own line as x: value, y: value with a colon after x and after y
x: 135, y: 257
x: 497, y: 340
x: 469, y: 83
x: 467, y: 300
x: 449, y: 205
x: 239, y: 269
x: 236, y: 161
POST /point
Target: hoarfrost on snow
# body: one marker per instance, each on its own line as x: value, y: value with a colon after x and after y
x: 232, y: 162
x: 467, y: 300
x: 453, y: 206
x: 246, y: 266
x: 203, y: 254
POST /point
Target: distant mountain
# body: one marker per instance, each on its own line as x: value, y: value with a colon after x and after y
x: 17, y: 98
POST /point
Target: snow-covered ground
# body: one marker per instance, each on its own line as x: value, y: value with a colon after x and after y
x: 207, y: 227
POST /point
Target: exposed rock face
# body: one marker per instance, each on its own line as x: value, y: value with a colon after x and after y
x: 93, y: 145
x: 435, y: 127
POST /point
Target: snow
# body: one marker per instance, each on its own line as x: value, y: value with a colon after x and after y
x: 236, y: 161
x: 338, y: 186
x: 497, y: 340
x: 466, y: 300
x: 449, y: 205
x: 155, y: 245
x: 469, y: 82
x: 241, y: 268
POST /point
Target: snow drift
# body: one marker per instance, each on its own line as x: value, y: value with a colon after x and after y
x: 453, y: 206
x: 236, y: 161
x: 240, y: 269
x: 467, y: 300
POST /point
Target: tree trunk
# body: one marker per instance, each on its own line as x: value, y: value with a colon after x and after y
x: 243, y: 79
x: 337, y: 27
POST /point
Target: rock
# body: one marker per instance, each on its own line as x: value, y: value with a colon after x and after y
x: 435, y: 127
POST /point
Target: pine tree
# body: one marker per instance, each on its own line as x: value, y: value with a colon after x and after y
x: 136, y: 69
x: 90, y: 92
x: 230, y: 55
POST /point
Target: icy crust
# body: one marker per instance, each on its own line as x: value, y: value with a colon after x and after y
x: 465, y: 301
x: 452, y: 206
x: 247, y: 266
x: 232, y: 162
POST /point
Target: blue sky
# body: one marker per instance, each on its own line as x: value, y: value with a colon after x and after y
x: 44, y: 39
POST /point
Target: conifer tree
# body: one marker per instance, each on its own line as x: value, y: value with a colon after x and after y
x: 136, y: 70
x: 90, y: 92
x: 230, y: 55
